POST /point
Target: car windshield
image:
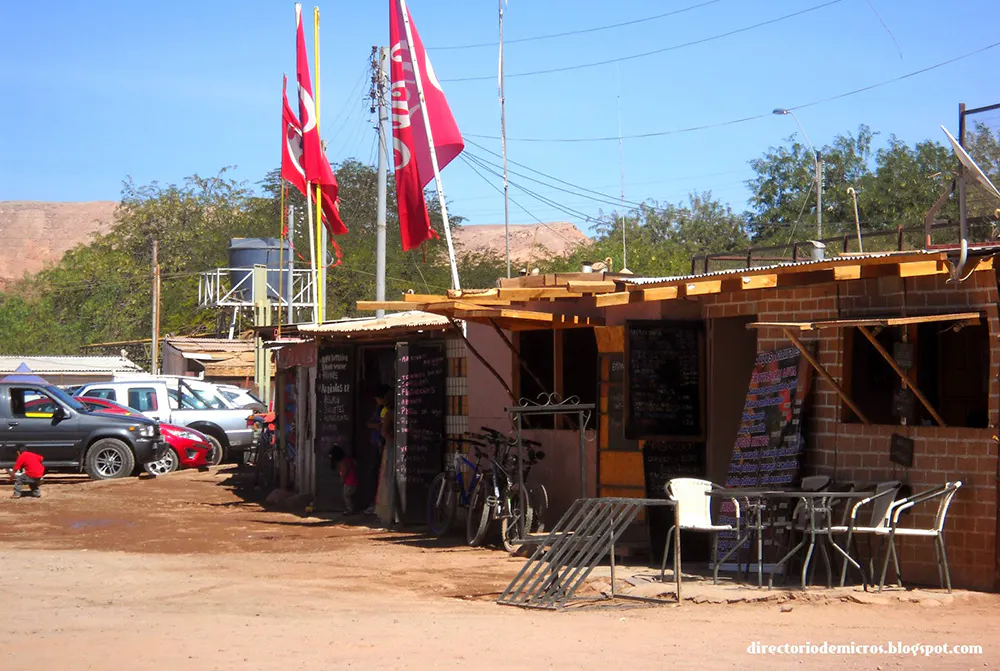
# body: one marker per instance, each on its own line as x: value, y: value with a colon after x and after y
x: 66, y: 399
x: 209, y: 398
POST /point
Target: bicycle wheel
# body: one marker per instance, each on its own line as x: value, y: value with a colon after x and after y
x: 508, y: 523
x: 539, y: 497
x: 478, y: 519
x: 441, y: 505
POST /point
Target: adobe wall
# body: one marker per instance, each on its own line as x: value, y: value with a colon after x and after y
x: 858, y: 452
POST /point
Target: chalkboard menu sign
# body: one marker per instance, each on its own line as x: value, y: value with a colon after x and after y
x: 662, y: 461
x: 334, y: 401
x: 664, y: 396
x: 420, y: 406
x: 768, y: 450
x: 613, y: 416
x: 901, y: 450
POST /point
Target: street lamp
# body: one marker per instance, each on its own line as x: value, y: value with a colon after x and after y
x: 817, y: 249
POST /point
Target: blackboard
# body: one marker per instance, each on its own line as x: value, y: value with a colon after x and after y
x: 664, y: 395
x: 614, y: 414
x: 662, y: 461
x: 901, y: 450
x: 334, y: 421
x: 420, y: 406
x: 334, y: 401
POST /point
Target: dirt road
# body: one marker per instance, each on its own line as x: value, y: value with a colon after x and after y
x: 180, y: 573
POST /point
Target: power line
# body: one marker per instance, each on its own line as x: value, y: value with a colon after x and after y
x: 731, y: 122
x: 579, y: 32
x: 499, y: 190
x: 485, y: 166
x: 655, y: 51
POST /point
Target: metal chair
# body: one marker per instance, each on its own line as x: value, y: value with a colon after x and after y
x: 881, y: 507
x: 694, y: 513
x: 944, y: 495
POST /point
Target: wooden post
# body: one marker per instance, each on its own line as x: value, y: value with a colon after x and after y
x: 902, y: 374
x: 825, y: 375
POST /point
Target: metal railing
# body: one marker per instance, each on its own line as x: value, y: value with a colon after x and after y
x: 898, y: 239
x: 216, y: 289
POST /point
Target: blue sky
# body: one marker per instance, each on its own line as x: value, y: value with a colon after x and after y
x: 102, y: 90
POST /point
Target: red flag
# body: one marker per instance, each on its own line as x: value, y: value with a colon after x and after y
x: 293, y: 170
x: 411, y: 151
x: 313, y: 161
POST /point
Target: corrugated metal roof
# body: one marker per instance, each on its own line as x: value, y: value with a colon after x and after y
x: 68, y: 365
x: 829, y: 262
x: 210, y: 345
x: 413, y: 319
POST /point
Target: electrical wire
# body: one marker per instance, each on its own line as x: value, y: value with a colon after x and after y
x: 674, y: 47
x: 731, y: 122
x: 578, y: 32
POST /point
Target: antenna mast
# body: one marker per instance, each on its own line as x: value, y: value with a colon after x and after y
x: 621, y: 167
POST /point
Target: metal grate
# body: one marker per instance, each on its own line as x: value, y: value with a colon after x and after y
x: 567, y: 555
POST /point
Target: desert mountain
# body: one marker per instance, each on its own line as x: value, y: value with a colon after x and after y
x: 37, y: 234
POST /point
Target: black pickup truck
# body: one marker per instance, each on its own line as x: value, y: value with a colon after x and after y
x: 70, y: 438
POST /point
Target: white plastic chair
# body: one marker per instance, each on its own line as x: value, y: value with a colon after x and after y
x: 944, y: 495
x: 694, y: 513
x: 881, y: 503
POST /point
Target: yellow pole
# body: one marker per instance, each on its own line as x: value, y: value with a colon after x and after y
x: 320, y: 249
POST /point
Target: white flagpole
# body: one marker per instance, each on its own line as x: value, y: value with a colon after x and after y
x: 430, y: 142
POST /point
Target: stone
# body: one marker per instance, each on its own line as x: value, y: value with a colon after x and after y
x: 786, y: 609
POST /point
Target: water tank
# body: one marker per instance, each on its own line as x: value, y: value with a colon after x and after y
x: 244, y: 253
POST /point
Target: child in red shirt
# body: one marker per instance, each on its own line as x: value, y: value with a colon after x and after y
x: 28, y: 470
x: 344, y: 463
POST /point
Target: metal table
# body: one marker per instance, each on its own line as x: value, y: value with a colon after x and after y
x: 817, y: 509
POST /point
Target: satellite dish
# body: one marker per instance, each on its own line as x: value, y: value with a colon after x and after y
x: 971, y: 166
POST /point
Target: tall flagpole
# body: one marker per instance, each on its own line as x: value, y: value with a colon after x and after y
x: 418, y: 79
x: 503, y: 149
x: 321, y: 241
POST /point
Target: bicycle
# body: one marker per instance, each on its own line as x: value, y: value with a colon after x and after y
x: 498, y: 496
x: 449, y: 489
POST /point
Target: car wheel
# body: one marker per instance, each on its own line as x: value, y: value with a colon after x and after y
x: 169, y: 463
x: 109, y: 458
x: 218, y: 452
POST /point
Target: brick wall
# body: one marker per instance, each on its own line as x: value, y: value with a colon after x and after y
x: 858, y: 452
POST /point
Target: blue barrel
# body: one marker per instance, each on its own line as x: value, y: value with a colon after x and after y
x: 245, y: 253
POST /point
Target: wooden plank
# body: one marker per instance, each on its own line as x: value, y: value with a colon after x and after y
x: 388, y: 305
x: 537, y: 293
x: 899, y: 321
x: 902, y: 374
x: 660, y: 294
x: 621, y: 469
x: 472, y: 294
x: 590, y: 287
x: 703, y: 288
x: 607, y: 300
x: 826, y: 375
x: 768, y: 281
x: 802, y: 326
x: 841, y: 273
x: 424, y: 298
x: 922, y: 268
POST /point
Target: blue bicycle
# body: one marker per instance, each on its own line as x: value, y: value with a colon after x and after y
x: 454, y: 487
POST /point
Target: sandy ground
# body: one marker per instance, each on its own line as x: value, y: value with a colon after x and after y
x: 181, y: 573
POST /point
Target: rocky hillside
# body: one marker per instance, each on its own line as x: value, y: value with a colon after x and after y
x: 35, y: 234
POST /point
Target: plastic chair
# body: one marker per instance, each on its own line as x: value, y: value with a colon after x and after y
x: 944, y: 495
x: 881, y: 508
x: 694, y: 513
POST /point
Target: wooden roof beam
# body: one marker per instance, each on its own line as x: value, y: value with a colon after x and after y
x: 388, y: 305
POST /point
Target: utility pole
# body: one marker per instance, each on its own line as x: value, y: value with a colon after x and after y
x: 819, y: 198
x: 503, y: 149
x: 381, y: 92
x: 154, y: 362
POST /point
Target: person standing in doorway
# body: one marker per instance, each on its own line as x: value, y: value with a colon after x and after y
x: 28, y: 470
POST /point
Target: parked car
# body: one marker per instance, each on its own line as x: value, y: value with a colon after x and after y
x: 183, y: 404
x: 241, y: 398
x: 69, y: 437
x: 188, y: 448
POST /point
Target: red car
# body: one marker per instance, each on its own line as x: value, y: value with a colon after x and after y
x: 188, y: 448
